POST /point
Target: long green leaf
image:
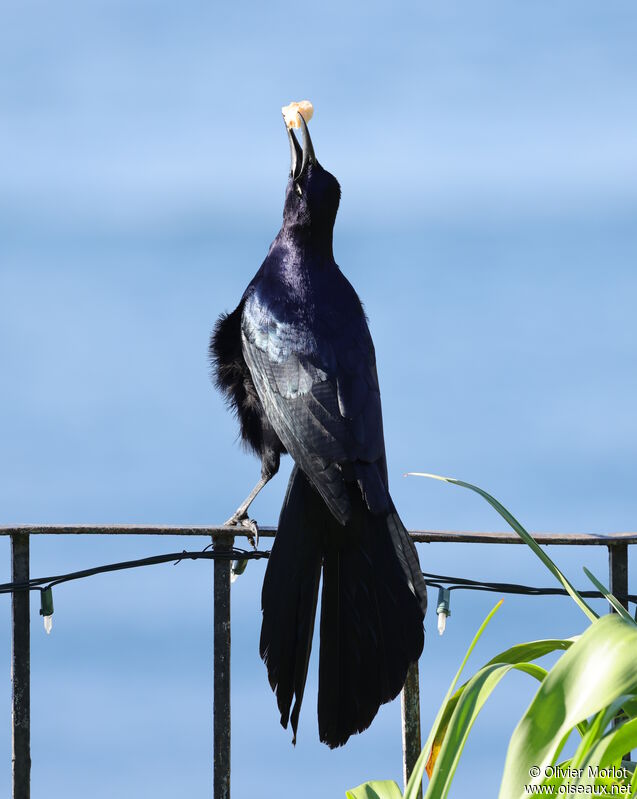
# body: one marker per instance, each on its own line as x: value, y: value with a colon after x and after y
x: 478, y: 690
x: 608, y: 751
x: 629, y: 707
x: 415, y: 781
x: 595, y: 731
x: 532, y: 650
x: 599, y: 668
x: 516, y: 654
x: 633, y: 784
x: 611, y: 599
x: 385, y: 789
x: 524, y: 535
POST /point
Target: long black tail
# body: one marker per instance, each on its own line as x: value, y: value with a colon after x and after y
x: 372, y: 609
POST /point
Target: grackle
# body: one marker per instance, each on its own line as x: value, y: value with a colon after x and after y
x: 296, y: 363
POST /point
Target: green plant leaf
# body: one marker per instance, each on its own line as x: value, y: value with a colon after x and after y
x: 524, y: 535
x: 532, y: 650
x: 516, y: 654
x: 608, y: 751
x: 599, y: 668
x: 469, y: 704
x: 595, y: 731
x: 612, y: 600
x: 415, y: 781
x: 386, y: 789
x: 630, y: 708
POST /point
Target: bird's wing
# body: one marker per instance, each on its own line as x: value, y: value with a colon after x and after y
x: 319, y: 388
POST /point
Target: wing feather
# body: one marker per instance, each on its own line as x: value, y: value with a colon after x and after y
x: 320, y: 393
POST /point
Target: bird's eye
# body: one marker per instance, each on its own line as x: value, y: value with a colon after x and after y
x: 297, y: 189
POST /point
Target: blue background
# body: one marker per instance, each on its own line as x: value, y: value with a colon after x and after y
x: 487, y: 157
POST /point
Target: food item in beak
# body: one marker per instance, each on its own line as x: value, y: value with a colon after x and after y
x: 291, y: 113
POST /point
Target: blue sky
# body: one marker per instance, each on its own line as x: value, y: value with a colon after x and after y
x: 486, y: 154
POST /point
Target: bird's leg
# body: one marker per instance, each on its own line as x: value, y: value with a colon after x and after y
x: 240, y: 516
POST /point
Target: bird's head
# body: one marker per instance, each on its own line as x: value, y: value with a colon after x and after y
x: 313, y: 194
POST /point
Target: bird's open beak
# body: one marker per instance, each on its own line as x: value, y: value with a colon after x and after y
x: 300, y: 157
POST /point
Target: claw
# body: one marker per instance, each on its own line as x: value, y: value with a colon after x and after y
x: 254, y: 529
x: 248, y: 524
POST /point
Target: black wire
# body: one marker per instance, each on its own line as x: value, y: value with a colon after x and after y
x: 461, y: 583
x: 233, y: 553
x: 222, y: 554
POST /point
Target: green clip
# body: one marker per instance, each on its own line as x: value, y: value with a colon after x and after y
x: 46, y: 601
x: 444, y: 598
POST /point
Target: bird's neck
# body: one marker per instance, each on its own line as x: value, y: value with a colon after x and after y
x: 307, y: 242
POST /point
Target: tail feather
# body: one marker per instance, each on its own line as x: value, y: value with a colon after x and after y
x: 289, y: 597
x: 372, y: 607
x: 408, y: 557
x: 371, y: 626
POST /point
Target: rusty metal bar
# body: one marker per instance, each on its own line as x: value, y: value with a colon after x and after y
x: 216, y: 531
x: 546, y: 539
x: 221, y: 682
x: 422, y: 536
x: 20, y: 670
x: 410, y: 714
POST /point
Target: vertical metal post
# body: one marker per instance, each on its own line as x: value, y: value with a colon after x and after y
x: 618, y: 572
x: 20, y: 670
x: 618, y: 584
x: 410, y: 710
x: 221, y: 688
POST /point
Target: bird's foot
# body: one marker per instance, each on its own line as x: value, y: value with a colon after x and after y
x: 242, y: 520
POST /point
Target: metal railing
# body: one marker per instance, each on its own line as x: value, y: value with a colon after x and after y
x: 223, y: 538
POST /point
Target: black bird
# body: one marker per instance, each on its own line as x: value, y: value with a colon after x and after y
x: 296, y: 362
